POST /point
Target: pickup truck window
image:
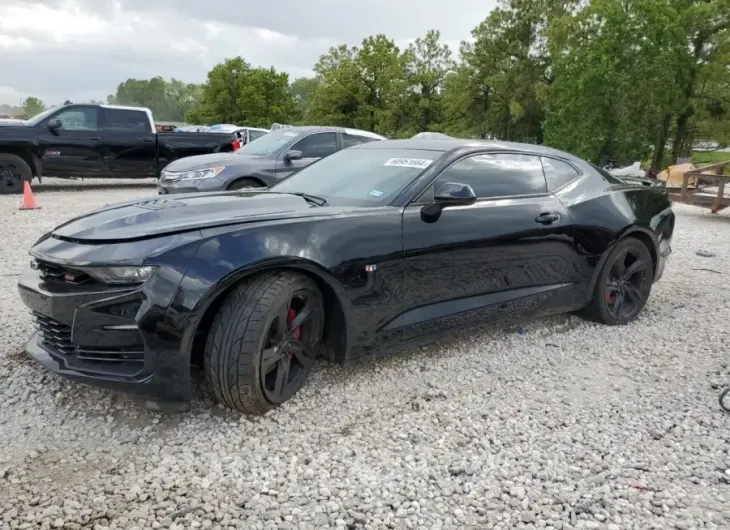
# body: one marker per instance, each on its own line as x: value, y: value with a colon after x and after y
x: 252, y: 135
x: 79, y: 119
x: 124, y: 120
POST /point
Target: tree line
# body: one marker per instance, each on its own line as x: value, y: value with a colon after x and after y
x: 622, y: 79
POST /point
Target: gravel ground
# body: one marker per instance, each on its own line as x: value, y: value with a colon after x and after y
x: 566, y: 425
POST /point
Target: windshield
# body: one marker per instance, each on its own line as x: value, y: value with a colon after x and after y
x: 360, y: 177
x: 268, y: 143
x: 35, y: 120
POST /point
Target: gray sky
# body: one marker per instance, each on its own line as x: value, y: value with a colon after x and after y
x: 82, y: 49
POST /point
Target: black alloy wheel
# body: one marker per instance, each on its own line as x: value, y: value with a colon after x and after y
x: 624, y: 284
x: 13, y: 172
x: 288, y: 355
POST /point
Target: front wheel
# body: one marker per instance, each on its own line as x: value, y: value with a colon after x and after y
x: 243, y: 184
x: 623, y: 285
x: 14, y: 171
x: 263, y: 341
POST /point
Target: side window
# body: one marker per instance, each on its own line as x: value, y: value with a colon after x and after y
x: 78, y: 119
x: 352, y: 139
x: 252, y: 135
x: 557, y: 173
x: 317, y: 145
x: 123, y: 120
x: 497, y: 175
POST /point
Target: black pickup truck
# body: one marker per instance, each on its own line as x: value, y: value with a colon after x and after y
x: 95, y: 141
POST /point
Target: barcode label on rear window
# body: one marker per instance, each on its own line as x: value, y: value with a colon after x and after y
x: 416, y: 163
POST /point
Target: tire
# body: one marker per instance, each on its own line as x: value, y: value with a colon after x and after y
x: 618, y: 298
x: 14, y: 171
x: 724, y: 399
x: 242, y: 362
x: 241, y: 184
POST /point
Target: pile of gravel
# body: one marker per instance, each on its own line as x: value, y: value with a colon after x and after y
x: 565, y: 425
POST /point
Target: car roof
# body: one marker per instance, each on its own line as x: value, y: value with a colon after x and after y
x: 328, y: 128
x: 448, y: 144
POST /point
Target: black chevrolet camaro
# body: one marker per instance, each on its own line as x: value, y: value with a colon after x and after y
x: 381, y: 245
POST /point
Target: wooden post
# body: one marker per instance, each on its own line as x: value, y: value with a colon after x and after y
x: 720, y: 171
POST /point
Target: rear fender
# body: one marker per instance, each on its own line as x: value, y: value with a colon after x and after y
x: 641, y: 233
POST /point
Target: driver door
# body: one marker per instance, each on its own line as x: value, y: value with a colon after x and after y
x: 507, y: 256
x: 75, y: 149
x: 313, y: 147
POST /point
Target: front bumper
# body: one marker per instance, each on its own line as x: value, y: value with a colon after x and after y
x: 104, y: 337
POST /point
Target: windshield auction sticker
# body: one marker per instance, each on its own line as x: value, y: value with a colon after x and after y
x: 416, y: 163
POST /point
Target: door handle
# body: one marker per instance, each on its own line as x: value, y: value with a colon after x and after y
x: 95, y: 138
x: 147, y: 140
x: 547, y: 218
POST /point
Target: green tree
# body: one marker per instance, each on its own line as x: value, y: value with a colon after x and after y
x: 168, y: 100
x: 381, y: 69
x: 237, y: 93
x: 613, y: 65
x: 336, y: 99
x: 33, y: 106
x: 428, y: 64
x: 711, y: 119
x: 500, y: 88
x: 706, y: 25
x: 302, y: 90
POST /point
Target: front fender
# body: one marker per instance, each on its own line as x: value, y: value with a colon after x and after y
x: 341, y: 253
x: 190, y: 319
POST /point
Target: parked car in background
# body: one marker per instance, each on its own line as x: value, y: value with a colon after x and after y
x: 193, y: 128
x: 244, y: 134
x: 383, y: 245
x: 95, y: 141
x: 432, y: 135
x: 261, y: 163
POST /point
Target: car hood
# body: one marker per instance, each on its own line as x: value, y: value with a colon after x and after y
x: 193, y: 163
x: 148, y: 218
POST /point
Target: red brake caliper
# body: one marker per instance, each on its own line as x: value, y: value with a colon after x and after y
x: 290, y: 316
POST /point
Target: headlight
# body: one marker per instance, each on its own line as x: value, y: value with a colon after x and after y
x: 120, y: 275
x: 200, y: 173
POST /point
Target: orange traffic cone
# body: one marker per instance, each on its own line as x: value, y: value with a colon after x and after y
x: 28, y: 198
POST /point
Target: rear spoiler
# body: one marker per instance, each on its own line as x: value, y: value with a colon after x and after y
x: 642, y: 181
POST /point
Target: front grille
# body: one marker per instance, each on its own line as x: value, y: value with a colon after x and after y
x: 58, y: 273
x: 56, y: 337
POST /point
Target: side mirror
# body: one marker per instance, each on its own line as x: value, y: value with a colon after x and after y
x: 292, y: 155
x: 449, y: 194
x: 455, y: 194
x: 54, y: 124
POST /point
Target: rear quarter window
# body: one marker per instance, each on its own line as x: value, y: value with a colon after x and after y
x: 606, y: 175
x: 557, y: 172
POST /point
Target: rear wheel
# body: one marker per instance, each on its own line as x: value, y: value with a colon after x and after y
x: 242, y: 184
x: 13, y: 172
x: 624, y: 284
x: 263, y: 341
